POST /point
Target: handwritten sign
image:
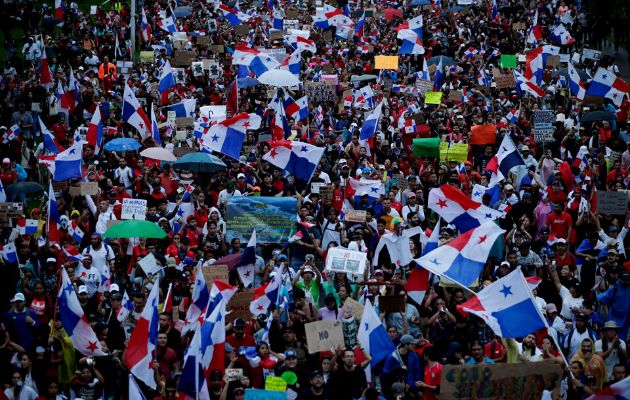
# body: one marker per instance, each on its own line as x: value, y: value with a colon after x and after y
x: 183, y: 58
x: 11, y: 210
x: 239, y: 305
x: 504, y: 81
x: 275, y: 383
x: 233, y: 374
x: 386, y: 62
x: 213, y: 272
x: 615, y: 203
x: 340, y: 259
x: 433, y: 97
x: 89, y: 188
x: 323, y: 335
x: 543, y: 127
x: 424, y: 86
x: 457, y: 152
x: 500, y: 381
x: 133, y: 209
x: 356, y: 216
x: 357, y: 308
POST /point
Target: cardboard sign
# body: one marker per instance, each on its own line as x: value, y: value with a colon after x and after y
x: 391, y: 304
x: 239, y: 305
x: 133, y: 209
x: 340, y: 259
x: 216, y: 49
x: 203, y: 40
x: 323, y: 335
x: 553, y: 61
x: 89, y: 188
x: 291, y: 13
x: 74, y: 191
x: 275, y: 383
x: 257, y: 394
x: 241, y: 30
x: 519, y: 26
x: 356, y: 216
x: 11, y: 210
x: 197, y: 68
x: 215, y: 271
x: 59, y: 186
x: 184, y: 122
x: 614, y: 203
x: 500, y: 381
x: 455, y: 96
x: 357, y: 308
x: 149, y: 264
x: 386, y: 62
x: 433, y: 97
x: 183, y: 58
x: 183, y: 150
x: 543, y: 125
x: 504, y: 81
x: 93, y: 10
x: 233, y: 374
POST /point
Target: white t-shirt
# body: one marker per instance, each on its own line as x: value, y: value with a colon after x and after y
x: 568, y: 302
x: 613, y: 356
x: 223, y: 195
x: 576, y: 341
x: 100, y: 256
x: 91, y: 278
x: 537, y: 356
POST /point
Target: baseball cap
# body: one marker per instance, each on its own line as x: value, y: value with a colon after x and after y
x: 82, y: 289
x: 51, y: 260
x: 114, y: 288
x: 410, y: 195
x: 612, y: 228
x: 6, y: 161
x: 408, y: 339
x: 581, y: 315
x: 241, y: 175
x: 239, y: 323
x: 509, y: 187
x: 282, y: 257
x: 18, y: 297
x: 550, y: 308
x: 290, y: 354
x: 308, y: 269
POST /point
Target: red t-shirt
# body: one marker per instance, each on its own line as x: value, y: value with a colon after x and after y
x: 559, y: 224
x: 432, y: 376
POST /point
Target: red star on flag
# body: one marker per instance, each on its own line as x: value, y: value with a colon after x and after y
x: 246, y: 124
x: 260, y: 307
x: 141, y: 125
x: 482, y: 238
x: 92, y: 346
x: 442, y: 203
x: 274, y: 153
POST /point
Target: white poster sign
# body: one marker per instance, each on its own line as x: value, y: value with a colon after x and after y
x: 340, y: 259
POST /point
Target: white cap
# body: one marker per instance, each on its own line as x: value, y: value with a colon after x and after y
x: 114, y: 288
x: 82, y: 289
x: 241, y: 175
x: 6, y: 161
x: 18, y: 297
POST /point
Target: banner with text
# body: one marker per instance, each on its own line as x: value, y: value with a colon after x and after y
x: 274, y: 218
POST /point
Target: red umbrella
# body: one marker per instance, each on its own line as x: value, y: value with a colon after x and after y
x: 390, y: 13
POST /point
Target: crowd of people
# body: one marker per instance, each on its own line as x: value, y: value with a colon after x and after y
x: 554, y: 229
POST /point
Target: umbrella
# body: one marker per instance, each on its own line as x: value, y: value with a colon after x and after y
x: 598, y: 116
x: 391, y: 13
x: 244, y: 83
x: 361, y: 78
x: 564, y: 72
x: 158, y: 153
x: 122, y: 144
x: 279, y: 77
x: 135, y: 228
x: 231, y: 260
x: 16, y: 189
x: 199, y: 162
x: 419, y: 2
x: 452, y: 9
x: 446, y: 61
x: 182, y: 12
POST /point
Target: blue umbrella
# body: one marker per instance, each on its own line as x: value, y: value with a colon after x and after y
x: 199, y: 162
x: 182, y: 12
x: 446, y: 61
x: 244, y: 83
x: 122, y: 144
x: 419, y: 2
x: 452, y: 9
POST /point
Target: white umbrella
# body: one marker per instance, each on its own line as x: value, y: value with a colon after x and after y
x: 279, y: 77
x: 158, y: 153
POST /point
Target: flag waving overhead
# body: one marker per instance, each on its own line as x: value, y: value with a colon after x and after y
x: 373, y: 336
x: 561, y: 36
x: 53, y: 222
x: 524, y: 85
x: 133, y: 114
x: 506, y: 158
x: 145, y: 27
x: 73, y: 319
x: 233, y: 16
x: 266, y: 295
x: 257, y: 61
x: 535, y: 34
x: 506, y: 306
x: 455, y: 207
x: 246, y: 265
x: 372, y: 123
x: 185, y: 108
x: 411, y: 42
x: 297, y: 158
x: 417, y: 284
x: 227, y: 136
x: 575, y: 83
x: 139, y: 353
x: 167, y: 79
x: 68, y: 163
x: 94, y: 135
x: 606, y: 84
x: 372, y: 187
x: 200, y: 298
x: 462, y: 259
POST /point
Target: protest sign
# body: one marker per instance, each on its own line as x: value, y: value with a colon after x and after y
x: 391, y: 304
x: 239, y: 306
x: 11, y: 210
x: 323, y: 335
x: 357, y: 308
x: 504, y: 81
x: 457, y: 152
x: 543, y: 127
x: 433, y: 97
x: 203, y: 40
x: 426, y: 147
x: 591, y: 54
x: 133, y: 209
x: 483, y: 134
x: 275, y: 383
x: 326, y: 194
x: 330, y: 79
x: 455, y: 96
x: 183, y: 122
x: 197, y: 68
x: 508, y: 61
x: 233, y: 374
x: 615, y: 203
x: 500, y: 381
x: 213, y: 272
x: 241, y: 30
x: 149, y: 264
x: 183, y: 58
x: 340, y: 259
x: 518, y: 26
x: 386, y: 62
x: 146, y: 56
x: 355, y: 216
x: 320, y: 92
x: 215, y: 71
x: 89, y: 188
x: 553, y: 61
x: 291, y: 13
x: 216, y: 48
x: 278, y: 53
x: 424, y: 86
x: 258, y: 394
x: 74, y: 191
x: 274, y: 218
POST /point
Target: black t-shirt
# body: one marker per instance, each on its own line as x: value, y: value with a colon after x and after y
x: 308, y: 394
x: 347, y: 384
